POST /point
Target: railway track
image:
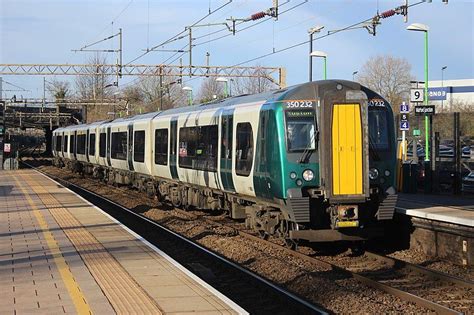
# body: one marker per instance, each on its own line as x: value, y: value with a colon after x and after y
x: 427, y: 288
x: 254, y: 293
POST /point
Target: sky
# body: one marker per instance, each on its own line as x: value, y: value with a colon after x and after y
x: 45, y: 31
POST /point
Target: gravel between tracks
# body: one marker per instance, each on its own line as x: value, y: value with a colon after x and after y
x: 328, y: 288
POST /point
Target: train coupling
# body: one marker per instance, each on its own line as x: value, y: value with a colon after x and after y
x: 344, y: 216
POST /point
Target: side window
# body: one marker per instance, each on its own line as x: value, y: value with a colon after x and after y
x: 118, y: 149
x: 58, y: 143
x: 72, y: 144
x: 102, y: 140
x: 92, y: 144
x: 81, y: 144
x: 65, y: 143
x: 139, y: 146
x: 263, y: 137
x: 244, y: 149
x: 161, y: 146
x: 198, y: 147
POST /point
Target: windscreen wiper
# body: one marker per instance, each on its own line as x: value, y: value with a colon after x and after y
x: 308, y: 151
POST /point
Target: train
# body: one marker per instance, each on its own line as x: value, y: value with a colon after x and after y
x: 313, y: 162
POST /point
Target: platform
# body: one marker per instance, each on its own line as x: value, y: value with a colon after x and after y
x: 60, y: 254
x: 457, y: 210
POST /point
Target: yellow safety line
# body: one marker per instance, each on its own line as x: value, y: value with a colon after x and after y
x: 71, y: 285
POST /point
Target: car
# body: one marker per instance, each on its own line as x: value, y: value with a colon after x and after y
x: 466, y: 151
x: 445, y: 151
x: 468, y: 183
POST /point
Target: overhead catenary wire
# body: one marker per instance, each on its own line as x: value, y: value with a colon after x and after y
x: 179, y: 34
x: 305, y: 42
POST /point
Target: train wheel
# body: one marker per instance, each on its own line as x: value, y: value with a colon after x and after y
x: 263, y: 235
x: 357, y: 248
x: 291, y: 243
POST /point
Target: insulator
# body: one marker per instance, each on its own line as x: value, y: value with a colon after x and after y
x: 257, y: 16
x: 388, y: 13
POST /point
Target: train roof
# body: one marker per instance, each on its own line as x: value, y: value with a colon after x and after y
x: 230, y: 101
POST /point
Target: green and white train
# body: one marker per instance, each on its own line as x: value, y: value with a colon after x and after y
x: 314, y: 161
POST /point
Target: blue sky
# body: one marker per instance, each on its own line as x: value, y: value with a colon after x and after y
x: 34, y: 31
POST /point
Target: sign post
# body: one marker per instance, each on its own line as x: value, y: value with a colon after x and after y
x: 404, y: 127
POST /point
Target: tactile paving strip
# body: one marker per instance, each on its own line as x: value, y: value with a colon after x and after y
x: 124, y: 294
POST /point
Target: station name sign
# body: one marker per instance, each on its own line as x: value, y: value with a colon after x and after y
x: 425, y: 110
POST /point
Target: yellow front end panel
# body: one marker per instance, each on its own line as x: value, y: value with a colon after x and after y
x: 347, y: 150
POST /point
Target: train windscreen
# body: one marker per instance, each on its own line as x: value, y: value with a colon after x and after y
x: 378, y: 129
x: 300, y: 131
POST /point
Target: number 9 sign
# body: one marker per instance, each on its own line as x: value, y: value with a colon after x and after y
x: 417, y: 95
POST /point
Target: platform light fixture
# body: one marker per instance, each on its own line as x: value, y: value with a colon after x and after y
x: 226, y: 82
x: 321, y: 54
x: 418, y: 27
x: 311, y: 33
x: 190, y: 94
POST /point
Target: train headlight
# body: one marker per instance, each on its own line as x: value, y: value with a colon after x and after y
x: 308, y: 175
x: 299, y: 182
x: 387, y: 173
x: 373, y: 173
x: 293, y: 175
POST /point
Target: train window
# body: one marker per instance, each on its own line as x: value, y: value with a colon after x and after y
x: 198, y: 147
x: 226, y: 137
x: 58, y: 143
x: 92, y: 144
x: 161, y: 146
x: 65, y: 143
x: 102, y: 140
x: 81, y: 144
x: 139, y: 146
x: 300, y: 131
x: 118, y: 149
x: 263, y: 136
x: 244, y: 149
x: 378, y: 129
x: 72, y: 144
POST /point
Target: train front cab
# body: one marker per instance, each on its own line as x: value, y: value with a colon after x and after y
x: 339, y: 199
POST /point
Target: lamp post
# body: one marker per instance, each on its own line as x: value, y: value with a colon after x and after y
x: 323, y: 55
x: 442, y: 83
x: 190, y: 94
x: 311, y: 32
x: 353, y: 75
x: 417, y: 27
x: 226, y: 81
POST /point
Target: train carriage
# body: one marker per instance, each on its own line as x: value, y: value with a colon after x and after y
x: 314, y: 161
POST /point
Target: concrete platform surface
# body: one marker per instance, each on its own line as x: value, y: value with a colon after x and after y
x: 60, y: 254
x: 450, y: 209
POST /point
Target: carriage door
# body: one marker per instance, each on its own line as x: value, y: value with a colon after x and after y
x: 108, y: 146
x: 347, y: 150
x: 87, y: 145
x: 173, y: 145
x: 227, y: 121
x: 130, y: 147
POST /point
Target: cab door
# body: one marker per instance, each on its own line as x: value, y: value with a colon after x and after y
x: 347, y: 145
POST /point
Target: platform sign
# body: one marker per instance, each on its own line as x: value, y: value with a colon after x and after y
x: 417, y: 95
x: 6, y: 148
x: 416, y: 132
x: 404, y: 125
x: 425, y: 110
x: 404, y: 108
x: 403, y: 117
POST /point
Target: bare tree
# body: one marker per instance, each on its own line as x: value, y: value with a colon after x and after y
x: 95, y: 87
x: 389, y: 76
x: 60, y: 90
x: 161, y: 93
x: 260, y: 82
x: 210, y: 90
